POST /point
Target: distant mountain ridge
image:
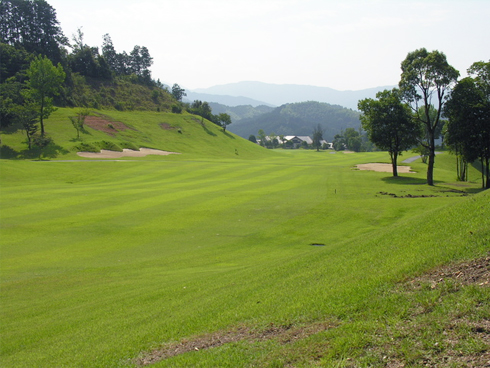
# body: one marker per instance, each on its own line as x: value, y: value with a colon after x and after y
x: 260, y: 93
x: 224, y: 99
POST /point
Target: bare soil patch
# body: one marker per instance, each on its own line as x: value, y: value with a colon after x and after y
x: 461, y: 327
x: 385, y: 168
x: 475, y: 272
x: 105, y: 125
x: 125, y: 153
x: 167, y: 126
x: 283, y: 334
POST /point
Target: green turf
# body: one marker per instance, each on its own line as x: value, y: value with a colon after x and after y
x: 184, y: 133
x: 103, y: 261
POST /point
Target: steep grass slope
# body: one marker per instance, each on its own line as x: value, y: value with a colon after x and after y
x: 183, y: 133
x: 105, y: 262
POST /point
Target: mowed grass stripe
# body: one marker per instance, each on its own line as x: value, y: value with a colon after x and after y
x: 101, y: 222
x: 103, y: 299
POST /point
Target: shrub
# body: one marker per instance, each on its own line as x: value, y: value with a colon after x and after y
x: 176, y: 109
x: 86, y: 147
x: 111, y: 146
x: 128, y: 145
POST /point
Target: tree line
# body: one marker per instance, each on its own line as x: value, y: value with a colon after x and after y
x: 29, y: 31
x: 430, y: 101
x: 200, y: 108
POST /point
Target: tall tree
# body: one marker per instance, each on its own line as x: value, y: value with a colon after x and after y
x: 109, y: 52
x: 389, y: 124
x: 32, y: 24
x: 317, y: 137
x: 426, y: 77
x: 468, y: 109
x: 86, y: 60
x: 261, y: 137
x: 178, y: 92
x: 44, y: 82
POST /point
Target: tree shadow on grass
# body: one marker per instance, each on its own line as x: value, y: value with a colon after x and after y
x: 7, y: 152
x: 405, y: 180
x: 228, y: 135
x: 51, y: 151
x: 208, y: 131
x: 475, y: 190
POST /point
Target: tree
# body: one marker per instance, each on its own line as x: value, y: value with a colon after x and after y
x: 109, y: 53
x: 44, y: 82
x: 178, y: 92
x: 272, y: 142
x: 252, y: 138
x: 32, y: 25
x: 426, y: 77
x: 468, y: 128
x: 338, y: 142
x: 281, y: 139
x: 41, y: 142
x: 86, y: 60
x: 317, y: 137
x: 224, y: 120
x: 352, y: 139
x: 262, y: 138
x: 481, y: 74
x: 26, y: 117
x: 79, y: 121
x: 389, y: 124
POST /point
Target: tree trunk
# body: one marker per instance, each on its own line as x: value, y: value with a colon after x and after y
x: 432, y: 154
x: 482, y: 162
x: 394, y: 157
x: 488, y: 172
x: 41, y: 121
x: 457, y: 167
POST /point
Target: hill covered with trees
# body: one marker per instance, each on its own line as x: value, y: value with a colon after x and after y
x: 300, y: 119
x: 42, y: 70
x: 95, y: 78
x: 240, y: 112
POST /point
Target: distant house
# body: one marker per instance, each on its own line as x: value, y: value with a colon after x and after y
x: 324, y: 143
x: 305, y: 138
x: 296, y: 141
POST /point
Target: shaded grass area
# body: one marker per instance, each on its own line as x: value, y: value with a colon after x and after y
x: 103, y: 262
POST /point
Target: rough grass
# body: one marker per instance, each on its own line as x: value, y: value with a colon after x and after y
x: 105, y: 264
x: 183, y: 133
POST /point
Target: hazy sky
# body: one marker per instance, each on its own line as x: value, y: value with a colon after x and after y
x: 346, y: 45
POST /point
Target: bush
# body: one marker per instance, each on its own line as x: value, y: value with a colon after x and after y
x: 86, y: 147
x: 128, y: 145
x: 111, y: 146
x: 176, y: 109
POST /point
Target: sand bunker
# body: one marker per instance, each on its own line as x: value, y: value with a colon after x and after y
x: 125, y: 153
x: 385, y: 168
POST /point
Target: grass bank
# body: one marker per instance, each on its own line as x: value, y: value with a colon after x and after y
x: 103, y: 263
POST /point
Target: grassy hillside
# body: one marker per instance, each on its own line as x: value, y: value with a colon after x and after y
x: 113, y: 264
x: 182, y: 133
